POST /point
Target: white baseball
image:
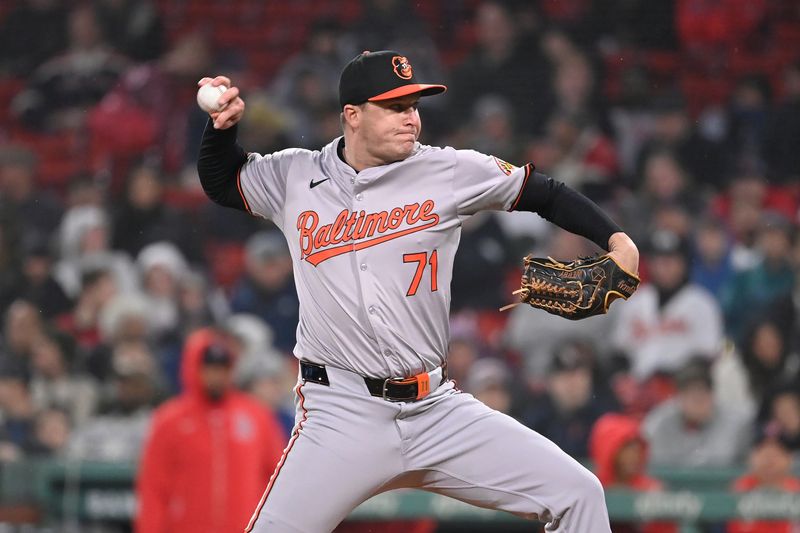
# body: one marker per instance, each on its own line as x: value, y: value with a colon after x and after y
x: 208, y: 96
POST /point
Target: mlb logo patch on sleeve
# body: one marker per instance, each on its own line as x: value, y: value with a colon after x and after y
x: 505, y: 166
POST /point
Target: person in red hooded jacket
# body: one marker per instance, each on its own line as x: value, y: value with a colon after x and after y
x: 210, y: 451
x: 620, y: 455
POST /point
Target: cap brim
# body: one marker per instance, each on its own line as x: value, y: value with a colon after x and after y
x: 425, y: 89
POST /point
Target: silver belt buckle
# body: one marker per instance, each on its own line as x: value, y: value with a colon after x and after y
x: 385, y: 385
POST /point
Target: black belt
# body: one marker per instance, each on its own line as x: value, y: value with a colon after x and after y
x: 396, y: 390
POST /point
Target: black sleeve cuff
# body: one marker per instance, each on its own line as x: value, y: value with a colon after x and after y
x: 218, y: 166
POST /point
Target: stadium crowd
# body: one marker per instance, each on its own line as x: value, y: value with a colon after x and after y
x: 680, y: 117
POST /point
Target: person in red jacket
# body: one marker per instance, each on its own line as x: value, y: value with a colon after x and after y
x: 619, y: 452
x: 210, y: 451
x: 770, y: 469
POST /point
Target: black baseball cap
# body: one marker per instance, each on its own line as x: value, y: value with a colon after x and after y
x: 374, y: 76
x: 217, y: 355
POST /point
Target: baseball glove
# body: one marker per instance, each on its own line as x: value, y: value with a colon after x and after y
x: 579, y: 289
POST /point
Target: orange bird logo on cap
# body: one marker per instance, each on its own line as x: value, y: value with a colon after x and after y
x: 402, y: 67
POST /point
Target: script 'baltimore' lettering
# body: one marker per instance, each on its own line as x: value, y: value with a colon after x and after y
x: 356, y: 230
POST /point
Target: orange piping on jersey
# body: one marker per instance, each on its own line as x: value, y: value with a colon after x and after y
x: 241, y: 193
x: 528, y: 171
x: 280, y: 464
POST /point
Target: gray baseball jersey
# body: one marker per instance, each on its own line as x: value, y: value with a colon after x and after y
x: 373, y: 256
x: 373, y: 251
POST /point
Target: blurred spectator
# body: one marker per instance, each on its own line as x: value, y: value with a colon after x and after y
x: 782, y: 408
x: 152, y: 100
x: 586, y: 159
x: 305, y: 107
x: 119, y: 429
x: 84, y: 239
x: 573, y: 402
x: 767, y: 357
x: 38, y: 285
x: 83, y: 323
x: 783, y: 131
x: 672, y: 130
x: 53, y: 383
x: 18, y: 412
x: 143, y: 218
x: 51, y: 433
x: 269, y: 378
x: 161, y: 267
x: 712, y: 265
x: 208, y: 430
x: 769, y: 469
x: 500, y: 65
x: 23, y: 328
x: 199, y: 303
x: 31, y: 33
x: 620, y: 454
x: 576, y: 91
x: 61, y: 90
x: 489, y: 380
x: 36, y: 212
x: 491, y: 130
x: 462, y: 353
x: 132, y: 27
x: 267, y: 287
x: 123, y: 319
x: 664, y: 183
x: 483, y: 251
x: 266, y: 129
x: 750, y: 291
x: 747, y: 115
x: 326, y: 48
x: 690, y: 429
x: 669, y: 319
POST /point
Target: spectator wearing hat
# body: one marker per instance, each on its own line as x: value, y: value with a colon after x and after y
x: 267, y: 287
x: 691, y: 429
x: 669, y: 319
x: 572, y: 403
x: 769, y: 468
x: 210, y: 450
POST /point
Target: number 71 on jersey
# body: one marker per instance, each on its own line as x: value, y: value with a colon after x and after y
x: 422, y: 259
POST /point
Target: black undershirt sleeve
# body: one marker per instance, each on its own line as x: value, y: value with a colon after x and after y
x: 565, y: 207
x: 218, y: 166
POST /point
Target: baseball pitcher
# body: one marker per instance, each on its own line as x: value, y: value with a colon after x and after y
x: 373, y: 221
